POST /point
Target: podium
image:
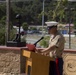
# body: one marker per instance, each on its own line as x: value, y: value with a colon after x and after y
x: 36, y: 64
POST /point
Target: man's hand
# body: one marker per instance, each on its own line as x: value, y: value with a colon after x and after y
x: 45, y: 52
x: 38, y: 51
x: 41, y: 52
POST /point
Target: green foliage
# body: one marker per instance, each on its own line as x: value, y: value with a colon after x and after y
x: 59, y: 12
x: 2, y: 36
x: 33, y: 28
x: 2, y: 10
x: 31, y: 12
x: 12, y: 34
x: 75, y: 24
x: 3, y: 20
x: 25, y: 26
x: 45, y: 42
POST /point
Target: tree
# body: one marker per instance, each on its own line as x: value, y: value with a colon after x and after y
x: 31, y: 11
x: 3, y: 21
x: 45, y: 42
x: 25, y: 26
x: 2, y: 36
x: 59, y: 12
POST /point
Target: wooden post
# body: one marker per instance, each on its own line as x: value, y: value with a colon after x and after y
x: 7, y: 20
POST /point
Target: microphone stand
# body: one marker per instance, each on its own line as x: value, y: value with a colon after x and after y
x: 38, y: 40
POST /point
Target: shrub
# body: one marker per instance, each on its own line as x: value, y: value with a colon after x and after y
x: 25, y: 26
x: 45, y: 42
x: 2, y: 36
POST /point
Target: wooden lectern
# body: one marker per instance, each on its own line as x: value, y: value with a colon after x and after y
x: 37, y: 63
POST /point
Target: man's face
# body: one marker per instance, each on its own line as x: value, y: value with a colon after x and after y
x: 52, y: 30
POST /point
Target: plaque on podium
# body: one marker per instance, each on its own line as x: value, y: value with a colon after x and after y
x: 36, y: 64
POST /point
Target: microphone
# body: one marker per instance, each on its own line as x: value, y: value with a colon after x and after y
x: 39, y: 40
